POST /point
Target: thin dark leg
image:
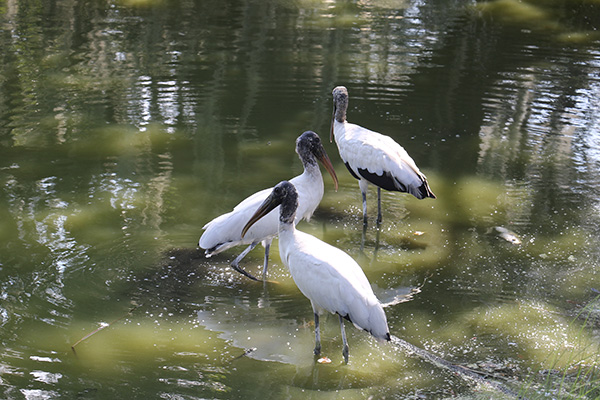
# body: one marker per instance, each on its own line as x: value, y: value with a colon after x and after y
x: 364, y: 200
x: 235, y: 263
x: 379, y: 217
x: 363, y: 238
x: 317, y: 350
x: 364, y: 188
x: 377, y: 234
x: 267, y: 248
x: 345, y: 349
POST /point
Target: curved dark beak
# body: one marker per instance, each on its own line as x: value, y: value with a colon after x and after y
x: 266, y: 207
x: 324, y: 158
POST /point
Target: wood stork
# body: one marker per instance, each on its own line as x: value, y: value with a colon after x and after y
x: 225, y: 231
x: 374, y: 158
x: 329, y: 277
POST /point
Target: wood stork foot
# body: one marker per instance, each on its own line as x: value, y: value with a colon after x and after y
x: 235, y: 264
x: 241, y: 271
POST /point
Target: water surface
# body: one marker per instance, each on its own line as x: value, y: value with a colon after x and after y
x: 125, y: 126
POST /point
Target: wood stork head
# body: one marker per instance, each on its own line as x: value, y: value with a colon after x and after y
x: 340, y: 106
x: 283, y: 194
x: 309, y: 147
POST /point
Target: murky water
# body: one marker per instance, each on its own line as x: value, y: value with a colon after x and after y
x: 125, y: 126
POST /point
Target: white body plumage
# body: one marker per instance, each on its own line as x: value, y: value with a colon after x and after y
x: 326, y: 275
x: 225, y: 231
x: 332, y: 281
x: 364, y: 150
x: 374, y: 158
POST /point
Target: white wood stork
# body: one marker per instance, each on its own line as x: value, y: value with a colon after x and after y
x: 329, y: 277
x: 374, y: 158
x: 225, y: 231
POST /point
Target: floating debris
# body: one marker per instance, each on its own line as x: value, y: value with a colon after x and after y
x: 324, y: 360
x: 418, y: 233
x: 246, y: 353
x: 507, y: 235
x: 103, y: 325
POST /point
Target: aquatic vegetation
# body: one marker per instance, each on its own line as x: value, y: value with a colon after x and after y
x: 573, y: 371
x: 127, y: 125
x: 553, y: 16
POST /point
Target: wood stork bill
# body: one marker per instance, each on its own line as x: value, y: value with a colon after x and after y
x: 329, y: 277
x: 374, y: 158
x: 224, y: 231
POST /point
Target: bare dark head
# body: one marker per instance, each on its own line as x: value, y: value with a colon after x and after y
x: 308, y: 143
x: 285, y: 192
x: 340, y: 97
x: 309, y: 147
x: 285, y: 195
x: 340, y: 106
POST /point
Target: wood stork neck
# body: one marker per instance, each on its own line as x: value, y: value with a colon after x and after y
x: 339, y: 130
x: 308, y: 159
x: 340, y: 99
x: 340, y: 111
x: 312, y: 170
x: 287, y: 209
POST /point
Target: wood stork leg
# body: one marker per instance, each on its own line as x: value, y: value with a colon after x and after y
x: 363, y: 238
x: 364, y: 186
x: 235, y: 263
x: 266, y: 264
x: 379, y: 218
x: 364, y: 199
x: 344, y: 341
x: 317, y: 350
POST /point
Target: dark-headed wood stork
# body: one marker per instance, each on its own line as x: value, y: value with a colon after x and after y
x: 374, y: 158
x: 329, y: 277
x: 225, y: 231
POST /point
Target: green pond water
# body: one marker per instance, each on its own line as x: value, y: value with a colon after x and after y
x: 125, y: 126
